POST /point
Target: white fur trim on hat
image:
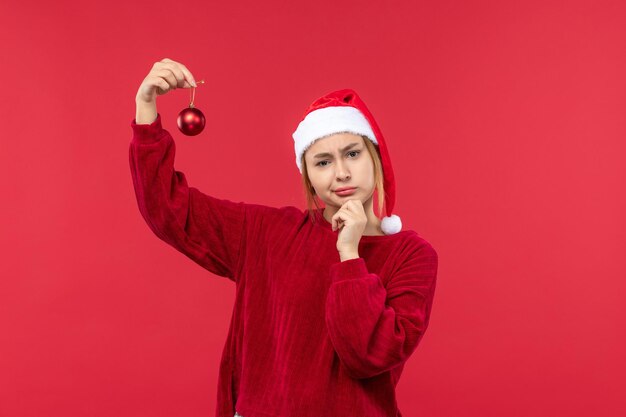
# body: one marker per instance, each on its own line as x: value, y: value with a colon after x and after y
x: 391, y: 224
x: 327, y: 121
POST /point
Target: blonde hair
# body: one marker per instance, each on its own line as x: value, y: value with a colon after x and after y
x: 312, y: 200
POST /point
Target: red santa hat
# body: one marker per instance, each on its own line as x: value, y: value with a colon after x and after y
x: 344, y: 111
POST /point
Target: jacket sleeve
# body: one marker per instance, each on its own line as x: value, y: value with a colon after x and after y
x: 206, y: 229
x: 375, y: 329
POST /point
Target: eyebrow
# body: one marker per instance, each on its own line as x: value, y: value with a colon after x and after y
x: 321, y: 155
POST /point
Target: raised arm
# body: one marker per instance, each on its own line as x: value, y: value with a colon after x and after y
x: 206, y: 229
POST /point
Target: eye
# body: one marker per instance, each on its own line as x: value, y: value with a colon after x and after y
x: 320, y: 162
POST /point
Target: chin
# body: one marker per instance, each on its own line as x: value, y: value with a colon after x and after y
x: 341, y: 202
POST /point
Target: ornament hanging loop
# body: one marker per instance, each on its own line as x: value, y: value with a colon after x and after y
x: 193, y: 93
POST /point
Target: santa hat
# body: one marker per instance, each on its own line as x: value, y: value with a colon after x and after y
x: 344, y: 111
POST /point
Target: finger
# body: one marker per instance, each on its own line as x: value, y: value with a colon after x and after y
x: 162, y: 86
x: 174, y: 67
x: 188, y: 76
x: 168, y: 76
x: 176, y: 77
x: 345, y: 213
x: 335, y: 220
x: 181, y: 72
x: 354, y: 204
x: 338, y: 219
x: 348, y: 206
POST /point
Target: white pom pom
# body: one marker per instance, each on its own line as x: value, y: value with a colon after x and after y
x: 391, y: 224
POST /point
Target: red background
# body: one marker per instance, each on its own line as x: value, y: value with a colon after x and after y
x: 505, y: 123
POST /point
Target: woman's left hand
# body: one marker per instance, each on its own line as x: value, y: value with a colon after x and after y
x: 350, y: 220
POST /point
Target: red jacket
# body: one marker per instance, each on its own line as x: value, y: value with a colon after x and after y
x: 310, y: 335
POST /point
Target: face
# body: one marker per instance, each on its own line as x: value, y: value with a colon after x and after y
x: 338, y: 161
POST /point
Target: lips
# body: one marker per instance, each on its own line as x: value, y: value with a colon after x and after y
x: 345, y: 191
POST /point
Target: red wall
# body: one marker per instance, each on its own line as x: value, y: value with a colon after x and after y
x: 505, y: 122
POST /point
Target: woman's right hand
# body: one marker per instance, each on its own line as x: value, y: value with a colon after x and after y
x: 164, y: 76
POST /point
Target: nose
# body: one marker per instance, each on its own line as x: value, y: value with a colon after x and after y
x: 342, y: 173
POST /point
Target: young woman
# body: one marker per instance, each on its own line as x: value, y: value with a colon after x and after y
x: 330, y: 301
